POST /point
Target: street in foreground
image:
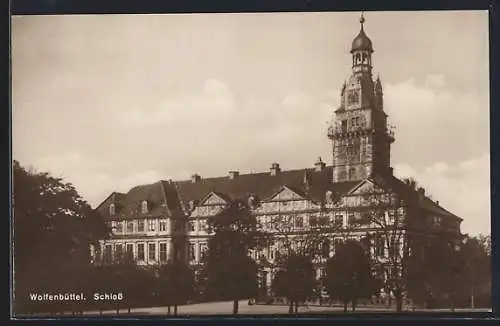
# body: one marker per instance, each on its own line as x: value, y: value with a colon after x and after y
x: 225, y: 308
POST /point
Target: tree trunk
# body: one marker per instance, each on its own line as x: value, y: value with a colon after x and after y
x: 345, y: 306
x: 399, y: 300
x: 128, y: 310
x: 472, y: 297
x: 296, y: 306
x: 290, y: 307
x: 235, y: 307
x: 175, y: 309
x: 353, y: 305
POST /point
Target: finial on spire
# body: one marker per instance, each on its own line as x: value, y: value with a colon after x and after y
x: 362, y: 19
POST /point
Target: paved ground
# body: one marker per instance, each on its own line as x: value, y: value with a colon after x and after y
x: 225, y: 308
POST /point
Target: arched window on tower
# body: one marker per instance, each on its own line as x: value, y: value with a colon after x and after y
x: 358, y: 58
x: 365, y: 58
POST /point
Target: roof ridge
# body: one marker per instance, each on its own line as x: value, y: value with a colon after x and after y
x: 309, y: 169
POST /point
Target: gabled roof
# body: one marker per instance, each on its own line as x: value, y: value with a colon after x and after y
x: 172, y: 198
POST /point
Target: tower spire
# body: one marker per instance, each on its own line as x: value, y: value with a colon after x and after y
x: 362, y: 19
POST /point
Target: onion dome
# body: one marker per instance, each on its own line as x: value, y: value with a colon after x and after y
x: 362, y: 42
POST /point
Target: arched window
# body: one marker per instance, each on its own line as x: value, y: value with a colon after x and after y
x: 112, y: 209
x: 358, y: 58
x: 365, y: 58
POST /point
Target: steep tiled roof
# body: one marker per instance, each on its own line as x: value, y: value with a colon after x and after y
x: 262, y: 185
x: 130, y: 204
x: 171, y: 198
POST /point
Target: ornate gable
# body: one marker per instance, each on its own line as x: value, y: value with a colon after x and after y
x: 286, y: 194
x: 213, y: 199
x: 366, y: 187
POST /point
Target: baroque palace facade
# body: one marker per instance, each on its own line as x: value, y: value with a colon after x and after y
x: 157, y: 221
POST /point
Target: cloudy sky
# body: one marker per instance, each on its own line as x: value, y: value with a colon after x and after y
x: 112, y: 101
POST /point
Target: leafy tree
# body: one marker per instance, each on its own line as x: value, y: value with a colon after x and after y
x: 176, y: 283
x: 53, y: 228
x: 451, y: 273
x: 477, y: 270
x: 349, y: 274
x: 434, y: 276
x: 229, y: 273
x: 295, y: 280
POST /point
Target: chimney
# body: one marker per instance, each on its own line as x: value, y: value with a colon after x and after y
x: 307, y: 179
x: 437, y: 202
x: 421, y: 191
x: 319, y: 165
x: 275, y: 169
x: 233, y: 174
x: 195, y: 178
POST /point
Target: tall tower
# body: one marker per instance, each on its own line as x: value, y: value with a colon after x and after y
x: 361, y: 138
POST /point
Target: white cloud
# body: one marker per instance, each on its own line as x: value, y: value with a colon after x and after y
x: 435, y: 123
x: 435, y: 81
x: 462, y: 188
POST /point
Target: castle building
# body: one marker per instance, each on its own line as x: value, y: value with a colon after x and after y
x: 156, y: 222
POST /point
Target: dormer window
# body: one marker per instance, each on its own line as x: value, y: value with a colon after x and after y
x: 112, y: 210
x: 144, y: 206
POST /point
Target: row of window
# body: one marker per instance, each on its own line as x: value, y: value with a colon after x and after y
x: 202, y: 249
x: 139, y: 226
x: 319, y: 221
x: 379, y: 248
x: 127, y: 250
x: 197, y: 225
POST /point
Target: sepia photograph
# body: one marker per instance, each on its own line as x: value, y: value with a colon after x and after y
x: 248, y: 164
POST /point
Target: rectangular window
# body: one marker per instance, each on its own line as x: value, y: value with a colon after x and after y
x: 192, y: 226
x: 108, y: 255
x: 163, y: 252
x: 203, y: 225
x: 152, y: 251
x: 140, y: 251
x: 313, y: 221
x: 140, y: 226
x: 344, y: 125
x: 119, y: 227
x: 299, y: 222
x: 339, y: 221
x: 151, y: 225
x: 130, y: 227
x: 203, y: 250
x: 351, y: 219
x: 130, y: 250
x: 163, y: 225
x: 192, y: 254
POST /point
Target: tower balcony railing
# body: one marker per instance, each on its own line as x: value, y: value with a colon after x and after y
x: 391, y: 130
x: 334, y: 130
